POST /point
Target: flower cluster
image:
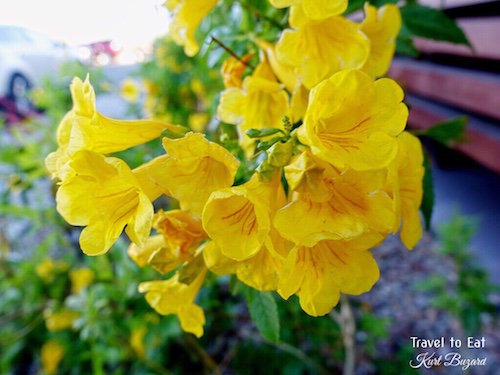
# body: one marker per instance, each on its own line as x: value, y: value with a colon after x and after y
x: 336, y: 172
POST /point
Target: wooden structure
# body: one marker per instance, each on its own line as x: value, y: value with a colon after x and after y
x: 448, y: 80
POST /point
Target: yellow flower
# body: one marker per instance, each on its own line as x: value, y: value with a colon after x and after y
x: 232, y: 70
x: 80, y: 278
x: 181, y: 230
x: 52, y: 353
x: 260, y: 271
x: 196, y: 167
x: 104, y: 195
x: 314, y: 9
x: 57, y: 321
x: 198, y: 121
x: 382, y: 28
x: 182, y: 234
x: 141, y: 255
x: 260, y: 103
x: 130, y: 90
x: 173, y: 297
x: 408, y: 188
x: 137, y: 341
x: 238, y: 219
x: 83, y: 127
x: 333, y: 205
x: 352, y: 122
x: 187, y: 16
x: 48, y: 269
x: 318, y: 49
x: 318, y: 274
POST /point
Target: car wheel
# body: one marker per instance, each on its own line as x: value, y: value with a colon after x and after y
x: 18, y: 92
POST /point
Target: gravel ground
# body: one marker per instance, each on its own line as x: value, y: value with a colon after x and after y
x: 398, y: 297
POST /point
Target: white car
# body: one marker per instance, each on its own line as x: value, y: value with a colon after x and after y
x: 25, y: 58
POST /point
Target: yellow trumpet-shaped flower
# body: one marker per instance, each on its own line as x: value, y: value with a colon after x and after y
x: 382, y: 28
x: 260, y: 103
x: 238, y: 219
x: 80, y: 278
x: 260, y: 271
x: 318, y: 49
x: 102, y: 194
x: 232, y: 71
x: 187, y: 16
x: 314, y: 9
x: 57, y: 321
x: 141, y: 255
x: 51, y: 355
x: 173, y: 297
x: 195, y: 168
x: 333, y: 205
x: 181, y: 234
x: 352, y: 121
x: 83, y: 127
x: 318, y: 274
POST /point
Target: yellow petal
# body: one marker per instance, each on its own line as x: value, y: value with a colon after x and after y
x: 382, y: 28
x: 197, y: 167
x: 173, y: 297
x: 320, y: 49
x: 352, y: 121
x: 318, y: 274
x: 104, y: 195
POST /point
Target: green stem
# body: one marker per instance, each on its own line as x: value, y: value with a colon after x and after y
x: 230, y: 51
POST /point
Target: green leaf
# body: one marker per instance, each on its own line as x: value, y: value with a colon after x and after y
x: 433, y: 24
x: 264, y: 313
x: 404, y: 42
x: 448, y: 132
x: 427, y: 204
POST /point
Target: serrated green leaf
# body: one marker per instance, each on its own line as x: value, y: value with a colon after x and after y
x: 448, y: 132
x: 427, y: 204
x: 264, y: 313
x: 433, y: 24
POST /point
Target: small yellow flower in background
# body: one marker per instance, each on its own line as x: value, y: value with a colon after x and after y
x: 173, y: 297
x: 382, y: 28
x: 318, y: 274
x: 103, y: 195
x: 130, y: 90
x: 57, y: 321
x: 187, y: 16
x: 48, y: 269
x: 314, y: 9
x: 321, y: 48
x: 80, y: 278
x: 137, y: 341
x: 52, y: 353
x: 352, y: 121
x: 198, y: 121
